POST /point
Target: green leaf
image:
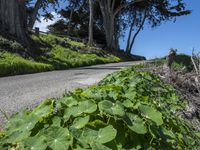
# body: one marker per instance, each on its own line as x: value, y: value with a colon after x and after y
x: 69, y: 101
x: 87, y: 106
x: 83, y: 107
x: 44, y: 109
x: 35, y: 143
x: 56, y: 121
x: 106, y: 134
x: 135, y: 123
x: 151, y: 114
x: 112, y: 108
x: 19, y: 126
x: 88, y: 135
x: 80, y: 122
x: 57, y: 138
x: 197, y: 134
x: 128, y: 104
x: 99, y: 146
x: 22, y: 120
x: 71, y: 111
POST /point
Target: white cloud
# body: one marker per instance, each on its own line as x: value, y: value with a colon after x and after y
x: 44, y: 24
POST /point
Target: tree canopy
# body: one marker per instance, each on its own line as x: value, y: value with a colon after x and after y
x: 111, y: 18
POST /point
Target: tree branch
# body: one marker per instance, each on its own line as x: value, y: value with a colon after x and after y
x: 141, y: 25
x: 113, y: 5
x: 126, y: 5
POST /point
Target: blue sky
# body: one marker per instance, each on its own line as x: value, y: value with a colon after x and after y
x: 183, y: 35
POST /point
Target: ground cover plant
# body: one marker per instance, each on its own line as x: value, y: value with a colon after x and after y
x: 129, y: 109
x: 53, y: 53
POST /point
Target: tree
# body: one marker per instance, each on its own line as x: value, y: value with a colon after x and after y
x: 79, y: 22
x: 13, y: 19
x: 91, y: 5
x: 33, y: 7
x: 33, y: 12
x: 138, y: 21
x: 154, y: 12
x: 110, y: 10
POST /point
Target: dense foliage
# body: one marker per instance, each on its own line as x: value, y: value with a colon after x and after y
x: 55, y: 53
x: 127, y: 110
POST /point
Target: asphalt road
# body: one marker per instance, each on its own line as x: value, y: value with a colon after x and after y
x: 27, y: 91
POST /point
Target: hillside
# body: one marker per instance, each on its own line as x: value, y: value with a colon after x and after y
x: 53, y: 53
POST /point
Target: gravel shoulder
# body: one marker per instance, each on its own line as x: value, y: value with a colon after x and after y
x: 27, y: 91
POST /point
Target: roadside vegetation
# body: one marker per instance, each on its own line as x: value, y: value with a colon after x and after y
x: 129, y: 109
x: 12, y: 64
x: 54, y: 53
x: 181, y: 62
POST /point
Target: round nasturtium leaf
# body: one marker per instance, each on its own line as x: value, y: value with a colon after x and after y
x: 89, y: 135
x: 135, y: 123
x: 57, y: 138
x: 87, y: 106
x: 56, y: 121
x: 151, y: 114
x: 99, y: 146
x: 45, y: 109
x: 19, y: 126
x: 106, y: 134
x: 69, y: 101
x: 21, y: 121
x: 128, y: 104
x: 71, y: 111
x: 80, y: 122
x: 112, y: 108
x: 83, y: 107
x: 35, y: 143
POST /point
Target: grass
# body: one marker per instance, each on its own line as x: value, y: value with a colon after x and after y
x: 56, y: 53
x: 12, y: 64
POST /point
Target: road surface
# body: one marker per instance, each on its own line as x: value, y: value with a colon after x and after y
x: 27, y: 91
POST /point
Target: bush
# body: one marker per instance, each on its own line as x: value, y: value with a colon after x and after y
x: 183, y: 60
x: 127, y: 110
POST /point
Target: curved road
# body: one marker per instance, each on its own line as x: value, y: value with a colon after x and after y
x: 27, y: 91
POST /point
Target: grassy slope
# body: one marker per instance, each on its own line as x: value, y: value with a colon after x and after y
x: 127, y: 110
x: 12, y: 64
x: 53, y: 56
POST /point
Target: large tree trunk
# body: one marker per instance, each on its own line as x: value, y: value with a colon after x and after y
x: 13, y: 19
x: 108, y: 22
x: 33, y: 15
x: 91, y: 5
x: 109, y: 12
